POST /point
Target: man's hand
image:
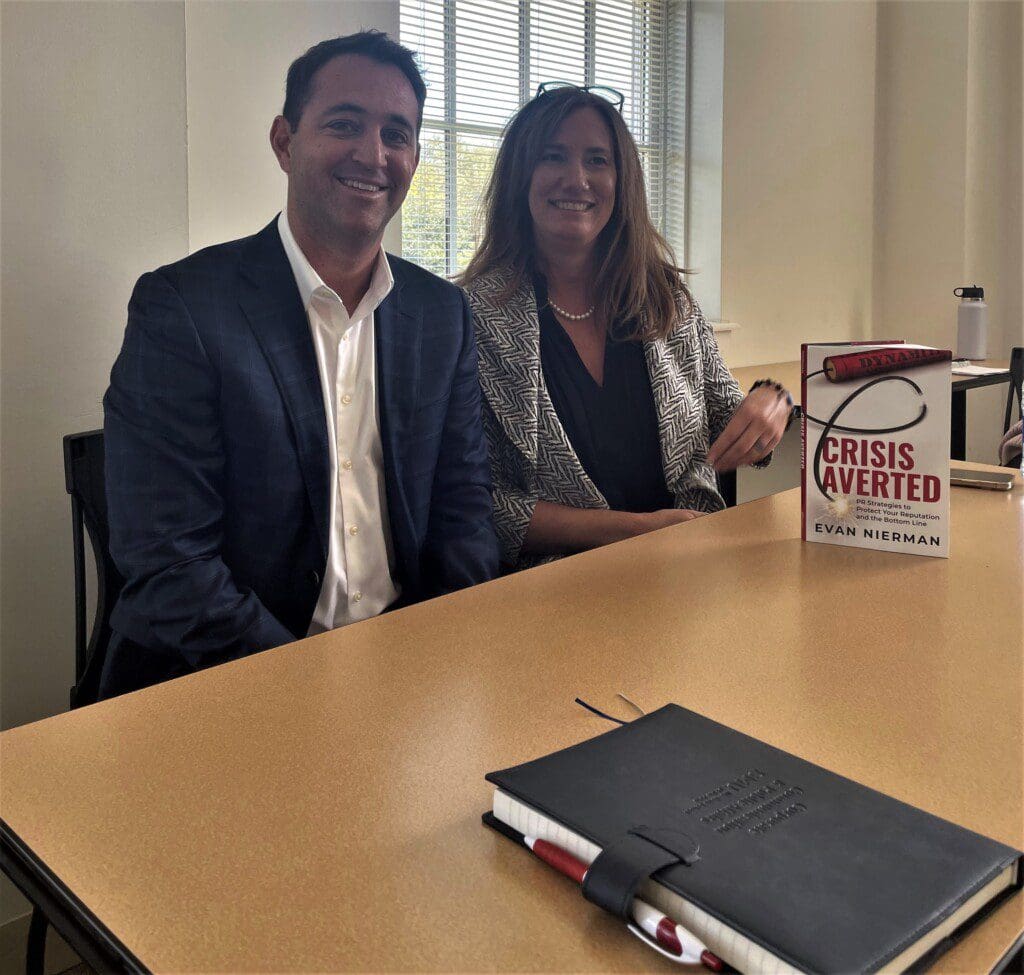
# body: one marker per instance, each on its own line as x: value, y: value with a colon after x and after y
x: 753, y: 432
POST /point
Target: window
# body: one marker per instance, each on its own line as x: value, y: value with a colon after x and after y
x: 482, y: 59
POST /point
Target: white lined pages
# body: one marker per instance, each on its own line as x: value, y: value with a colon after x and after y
x: 731, y: 946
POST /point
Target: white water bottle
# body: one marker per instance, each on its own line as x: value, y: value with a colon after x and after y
x: 971, y: 323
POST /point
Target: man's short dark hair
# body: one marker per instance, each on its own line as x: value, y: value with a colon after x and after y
x: 373, y: 44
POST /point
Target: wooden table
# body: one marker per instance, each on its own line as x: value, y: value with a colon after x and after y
x: 317, y: 807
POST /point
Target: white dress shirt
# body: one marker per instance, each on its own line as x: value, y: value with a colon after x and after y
x: 358, y: 582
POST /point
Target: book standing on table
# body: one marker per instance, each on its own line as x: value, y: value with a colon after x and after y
x: 875, y: 454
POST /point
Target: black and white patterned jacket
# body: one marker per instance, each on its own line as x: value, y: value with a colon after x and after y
x: 531, y: 456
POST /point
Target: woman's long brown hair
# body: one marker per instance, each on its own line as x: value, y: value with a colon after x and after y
x: 637, y: 279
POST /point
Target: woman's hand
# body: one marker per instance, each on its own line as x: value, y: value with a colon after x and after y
x: 650, y: 521
x: 754, y: 430
x: 556, y: 529
x: 1011, y: 445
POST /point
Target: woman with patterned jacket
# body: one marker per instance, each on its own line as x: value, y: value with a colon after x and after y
x: 607, y: 406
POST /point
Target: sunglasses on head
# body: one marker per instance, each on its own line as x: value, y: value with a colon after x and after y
x: 611, y: 95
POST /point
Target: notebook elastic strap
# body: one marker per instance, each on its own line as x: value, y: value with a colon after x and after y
x: 621, y: 867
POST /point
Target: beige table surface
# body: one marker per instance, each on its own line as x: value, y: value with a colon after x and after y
x: 317, y: 807
x: 788, y: 373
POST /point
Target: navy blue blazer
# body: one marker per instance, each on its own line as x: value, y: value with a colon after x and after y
x: 217, y: 462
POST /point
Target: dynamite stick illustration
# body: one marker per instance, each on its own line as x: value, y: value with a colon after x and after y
x: 857, y: 365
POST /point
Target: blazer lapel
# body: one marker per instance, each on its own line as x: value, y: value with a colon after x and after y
x: 508, y: 345
x: 398, y: 337
x: 679, y: 417
x: 270, y: 300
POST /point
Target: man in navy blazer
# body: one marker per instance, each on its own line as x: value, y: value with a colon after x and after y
x: 293, y: 435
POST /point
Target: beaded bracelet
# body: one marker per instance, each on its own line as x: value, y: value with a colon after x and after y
x: 780, y: 391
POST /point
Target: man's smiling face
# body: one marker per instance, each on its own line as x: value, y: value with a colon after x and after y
x: 353, y: 154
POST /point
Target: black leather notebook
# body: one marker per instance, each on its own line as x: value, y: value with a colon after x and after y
x: 775, y: 863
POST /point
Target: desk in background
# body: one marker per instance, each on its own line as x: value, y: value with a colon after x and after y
x: 317, y: 807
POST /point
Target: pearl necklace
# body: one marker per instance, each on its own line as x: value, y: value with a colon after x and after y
x: 571, y: 317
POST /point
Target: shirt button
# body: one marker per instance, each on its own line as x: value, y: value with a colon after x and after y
x: 356, y: 596
x: 346, y: 399
x: 353, y: 529
x: 346, y: 464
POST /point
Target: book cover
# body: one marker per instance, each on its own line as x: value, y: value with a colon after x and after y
x: 875, y: 454
x: 799, y: 869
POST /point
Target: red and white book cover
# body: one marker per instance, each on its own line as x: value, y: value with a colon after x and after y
x: 875, y: 456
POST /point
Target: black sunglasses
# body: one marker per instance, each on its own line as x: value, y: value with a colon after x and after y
x: 611, y: 95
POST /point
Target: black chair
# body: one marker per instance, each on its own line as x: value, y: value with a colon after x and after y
x: 83, y: 475
x: 83, y: 478
x: 1014, y: 395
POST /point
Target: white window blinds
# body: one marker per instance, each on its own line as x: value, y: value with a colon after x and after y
x: 482, y: 59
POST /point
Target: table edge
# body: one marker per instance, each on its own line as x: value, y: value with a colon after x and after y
x: 90, y: 938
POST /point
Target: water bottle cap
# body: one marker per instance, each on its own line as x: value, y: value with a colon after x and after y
x: 972, y: 291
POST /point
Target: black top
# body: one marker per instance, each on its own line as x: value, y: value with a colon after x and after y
x: 612, y: 428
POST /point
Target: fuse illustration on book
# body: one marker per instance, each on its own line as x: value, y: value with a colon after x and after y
x: 876, y: 446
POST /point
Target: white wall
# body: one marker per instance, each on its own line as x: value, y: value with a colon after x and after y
x: 871, y: 164
x: 949, y: 180
x: 132, y: 133
x: 241, y: 50
x: 994, y: 201
x: 921, y: 176
x: 797, y: 175
x: 93, y: 191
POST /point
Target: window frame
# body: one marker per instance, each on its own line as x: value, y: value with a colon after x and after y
x: 659, y: 119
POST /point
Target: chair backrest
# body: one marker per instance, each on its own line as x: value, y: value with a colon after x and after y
x: 83, y: 475
x: 1016, y: 378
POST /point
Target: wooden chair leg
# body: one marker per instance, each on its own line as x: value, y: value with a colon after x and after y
x: 35, y: 955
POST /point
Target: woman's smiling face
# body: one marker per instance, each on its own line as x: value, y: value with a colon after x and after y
x: 572, y: 190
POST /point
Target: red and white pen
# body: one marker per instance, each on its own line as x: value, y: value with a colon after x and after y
x: 675, y: 941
